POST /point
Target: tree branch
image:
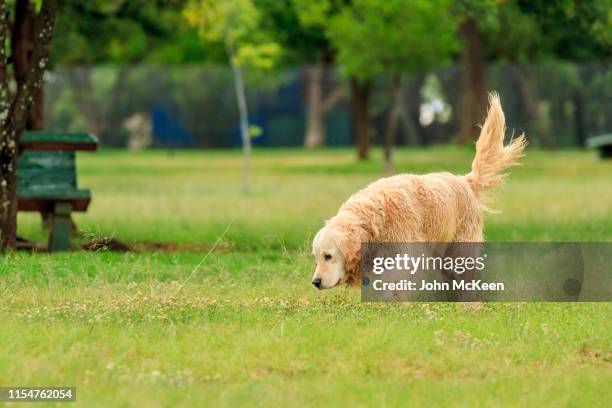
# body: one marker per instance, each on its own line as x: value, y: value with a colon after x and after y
x: 332, y: 99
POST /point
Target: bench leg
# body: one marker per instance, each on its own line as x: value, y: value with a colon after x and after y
x: 60, y: 228
x: 46, y: 218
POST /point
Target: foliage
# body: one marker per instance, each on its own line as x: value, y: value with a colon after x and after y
x: 287, y: 22
x: 529, y: 31
x: 572, y: 29
x: 236, y: 22
x: 483, y: 12
x: 517, y: 37
x: 376, y: 36
x: 126, y: 31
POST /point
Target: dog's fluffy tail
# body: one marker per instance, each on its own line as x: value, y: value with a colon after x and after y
x: 492, y: 157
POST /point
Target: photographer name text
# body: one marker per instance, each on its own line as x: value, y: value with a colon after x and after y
x: 434, y: 286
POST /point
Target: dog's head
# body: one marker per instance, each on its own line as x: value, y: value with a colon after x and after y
x: 337, y: 255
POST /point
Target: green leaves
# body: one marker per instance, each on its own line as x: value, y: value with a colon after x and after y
x: 236, y: 22
x: 255, y: 131
x: 396, y: 36
x: 258, y: 56
x: 123, y: 31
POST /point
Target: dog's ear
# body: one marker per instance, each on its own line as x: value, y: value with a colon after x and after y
x: 349, y: 243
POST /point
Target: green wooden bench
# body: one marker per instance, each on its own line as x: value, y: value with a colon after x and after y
x: 603, y: 143
x: 47, y: 180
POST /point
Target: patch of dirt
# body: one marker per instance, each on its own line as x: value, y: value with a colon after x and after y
x: 106, y: 244
x: 114, y: 245
x: 27, y: 245
x: 587, y: 352
x: 180, y: 247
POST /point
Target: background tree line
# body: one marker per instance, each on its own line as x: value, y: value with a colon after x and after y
x: 364, y: 39
x: 375, y: 49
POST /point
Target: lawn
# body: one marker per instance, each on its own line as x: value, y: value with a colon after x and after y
x: 238, y: 323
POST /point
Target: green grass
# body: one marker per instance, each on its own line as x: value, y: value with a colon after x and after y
x: 247, y: 328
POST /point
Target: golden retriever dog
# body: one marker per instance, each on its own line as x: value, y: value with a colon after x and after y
x: 435, y: 207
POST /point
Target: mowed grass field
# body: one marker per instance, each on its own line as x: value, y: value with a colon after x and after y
x: 244, y: 326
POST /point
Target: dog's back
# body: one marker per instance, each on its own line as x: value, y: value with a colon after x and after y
x: 439, y: 207
x: 434, y: 207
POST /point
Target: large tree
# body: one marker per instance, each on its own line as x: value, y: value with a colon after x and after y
x: 15, y: 104
x: 526, y: 32
x: 392, y: 37
x: 533, y: 32
x: 570, y: 30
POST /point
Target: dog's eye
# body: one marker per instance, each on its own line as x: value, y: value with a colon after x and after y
x: 327, y: 257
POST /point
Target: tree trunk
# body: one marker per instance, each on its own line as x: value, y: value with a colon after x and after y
x: 14, y: 111
x: 409, y: 105
x: 530, y: 98
x: 8, y: 152
x: 319, y: 103
x: 22, y: 45
x: 579, y: 123
x: 8, y: 193
x: 82, y: 88
x: 23, y: 36
x: 114, y: 114
x: 315, y: 122
x: 474, y: 81
x: 360, y: 106
x: 36, y: 116
x: 243, y: 112
x: 395, y: 91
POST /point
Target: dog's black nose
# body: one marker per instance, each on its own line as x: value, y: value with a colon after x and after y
x: 317, y: 283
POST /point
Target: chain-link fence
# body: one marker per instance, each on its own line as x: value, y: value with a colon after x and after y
x: 194, y: 106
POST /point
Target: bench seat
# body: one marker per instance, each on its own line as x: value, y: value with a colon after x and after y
x: 45, y: 203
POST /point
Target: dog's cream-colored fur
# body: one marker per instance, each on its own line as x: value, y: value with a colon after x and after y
x: 436, y: 207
